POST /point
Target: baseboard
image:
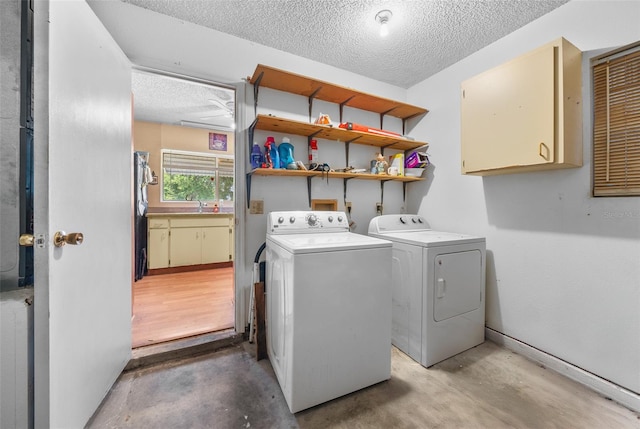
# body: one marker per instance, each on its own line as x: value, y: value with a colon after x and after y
x: 188, y: 268
x: 604, y: 387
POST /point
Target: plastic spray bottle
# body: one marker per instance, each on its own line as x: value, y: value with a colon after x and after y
x: 313, y: 151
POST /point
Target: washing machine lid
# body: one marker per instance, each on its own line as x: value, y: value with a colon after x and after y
x: 322, y: 242
x: 430, y: 238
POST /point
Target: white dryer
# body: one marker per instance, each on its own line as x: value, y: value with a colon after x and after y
x: 438, y: 288
x: 328, y: 307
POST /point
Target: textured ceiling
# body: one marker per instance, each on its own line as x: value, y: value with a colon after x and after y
x: 168, y: 100
x: 425, y: 36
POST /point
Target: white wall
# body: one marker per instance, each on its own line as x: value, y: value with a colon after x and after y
x: 563, y: 268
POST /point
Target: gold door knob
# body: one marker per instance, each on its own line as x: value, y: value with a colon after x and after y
x: 26, y: 240
x: 61, y: 238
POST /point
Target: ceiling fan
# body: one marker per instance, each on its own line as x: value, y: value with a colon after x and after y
x: 225, y: 109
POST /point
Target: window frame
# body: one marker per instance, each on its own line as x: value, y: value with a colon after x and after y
x: 217, y: 173
x: 616, y: 122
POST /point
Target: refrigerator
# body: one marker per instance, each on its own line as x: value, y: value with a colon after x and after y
x: 141, y: 179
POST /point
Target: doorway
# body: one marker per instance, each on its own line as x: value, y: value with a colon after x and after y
x: 186, y: 129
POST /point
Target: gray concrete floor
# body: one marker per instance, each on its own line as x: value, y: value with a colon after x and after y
x: 485, y: 387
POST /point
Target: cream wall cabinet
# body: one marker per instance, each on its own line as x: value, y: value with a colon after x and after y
x: 158, y: 247
x: 194, y: 239
x: 524, y: 115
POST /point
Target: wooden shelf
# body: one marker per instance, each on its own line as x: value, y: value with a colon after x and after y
x: 281, y: 80
x: 289, y: 126
x: 331, y: 175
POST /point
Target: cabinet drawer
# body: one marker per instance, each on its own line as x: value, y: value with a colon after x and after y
x: 158, y: 223
x: 190, y: 222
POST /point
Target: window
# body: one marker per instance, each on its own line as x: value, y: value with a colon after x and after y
x: 192, y: 176
x: 616, y: 122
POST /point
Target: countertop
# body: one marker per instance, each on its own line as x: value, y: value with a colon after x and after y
x: 194, y: 213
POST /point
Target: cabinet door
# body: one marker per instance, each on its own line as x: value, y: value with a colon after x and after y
x: 215, y: 244
x: 185, y: 248
x: 508, y: 114
x: 158, y: 249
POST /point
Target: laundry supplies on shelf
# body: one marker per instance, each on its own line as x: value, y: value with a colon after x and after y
x: 417, y: 160
x: 285, y: 150
x: 256, y: 156
x: 313, y: 151
x: 271, y: 157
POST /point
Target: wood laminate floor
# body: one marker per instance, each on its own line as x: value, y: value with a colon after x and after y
x: 172, y: 306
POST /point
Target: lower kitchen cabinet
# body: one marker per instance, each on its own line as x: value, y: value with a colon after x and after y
x: 158, y: 243
x: 192, y: 240
x: 215, y: 244
x: 186, y: 247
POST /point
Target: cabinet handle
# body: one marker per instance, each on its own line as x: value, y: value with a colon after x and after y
x: 546, y: 149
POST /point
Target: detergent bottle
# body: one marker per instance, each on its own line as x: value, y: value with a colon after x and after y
x: 273, y: 152
x: 268, y: 160
x: 256, y: 156
x: 286, y: 155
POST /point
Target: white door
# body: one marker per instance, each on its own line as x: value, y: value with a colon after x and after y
x: 83, y: 175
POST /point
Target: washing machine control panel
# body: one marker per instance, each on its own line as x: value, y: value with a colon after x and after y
x: 397, y: 222
x: 300, y: 222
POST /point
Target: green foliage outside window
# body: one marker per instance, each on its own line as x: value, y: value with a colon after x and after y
x: 181, y: 187
x: 191, y: 176
x: 225, y: 186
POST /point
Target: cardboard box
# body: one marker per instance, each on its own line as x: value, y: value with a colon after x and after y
x: 417, y: 160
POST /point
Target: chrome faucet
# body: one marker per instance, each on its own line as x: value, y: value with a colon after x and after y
x: 200, y: 205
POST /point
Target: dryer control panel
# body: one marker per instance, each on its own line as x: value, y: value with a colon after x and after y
x: 397, y: 222
x: 301, y: 222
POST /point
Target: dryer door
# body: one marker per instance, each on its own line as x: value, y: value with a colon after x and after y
x: 457, y: 283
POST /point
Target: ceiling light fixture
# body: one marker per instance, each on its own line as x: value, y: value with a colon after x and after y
x: 383, y: 18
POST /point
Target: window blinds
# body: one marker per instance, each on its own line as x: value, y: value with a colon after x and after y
x: 191, y: 164
x: 616, y: 123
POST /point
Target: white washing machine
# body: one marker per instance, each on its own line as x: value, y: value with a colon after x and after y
x: 438, y: 288
x: 328, y: 306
